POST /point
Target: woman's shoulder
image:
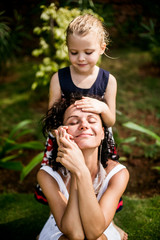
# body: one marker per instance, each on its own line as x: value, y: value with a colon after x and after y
x: 114, y: 167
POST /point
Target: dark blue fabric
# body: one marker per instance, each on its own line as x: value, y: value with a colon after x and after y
x: 68, y: 87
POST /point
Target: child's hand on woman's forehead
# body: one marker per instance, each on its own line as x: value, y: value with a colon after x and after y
x: 88, y: 104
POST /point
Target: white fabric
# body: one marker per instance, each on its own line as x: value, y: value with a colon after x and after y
x: 50, y: 230
x: 107, y: 179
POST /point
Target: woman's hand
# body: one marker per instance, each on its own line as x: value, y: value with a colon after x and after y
x: 58, y: 133
x: 88, y: 104
x: 69, y: 154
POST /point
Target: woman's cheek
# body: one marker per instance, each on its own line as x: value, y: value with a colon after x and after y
x: 71, y: 130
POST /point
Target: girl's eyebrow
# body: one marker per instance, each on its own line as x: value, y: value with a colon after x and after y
x: 87, y: 49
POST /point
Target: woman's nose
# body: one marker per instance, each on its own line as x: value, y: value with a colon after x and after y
x: 84, y: 125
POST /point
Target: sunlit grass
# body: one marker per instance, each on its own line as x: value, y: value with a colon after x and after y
x: 22, y: 217
x: 140, y: 218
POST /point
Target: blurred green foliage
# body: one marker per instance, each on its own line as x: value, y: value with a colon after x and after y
x: 10, y: 38
x: 4, y: 40
x: 11, y: 148
x: 152, y: 34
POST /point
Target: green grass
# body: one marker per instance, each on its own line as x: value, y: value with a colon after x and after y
x: 22, y: 217
x: 140, y: 218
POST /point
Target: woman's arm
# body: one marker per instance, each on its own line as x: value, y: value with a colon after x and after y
x: 96, y: 216
x: 65, y: 212
x: 71, y: 217
x: 91, y: 215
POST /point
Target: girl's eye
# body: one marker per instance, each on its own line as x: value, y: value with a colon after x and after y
x: 89, y: 53
x: 73, y: 53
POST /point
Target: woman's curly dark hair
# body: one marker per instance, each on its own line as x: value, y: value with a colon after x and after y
x: 54, y: 118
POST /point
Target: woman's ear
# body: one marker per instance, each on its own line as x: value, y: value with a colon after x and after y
x: 102, y: 134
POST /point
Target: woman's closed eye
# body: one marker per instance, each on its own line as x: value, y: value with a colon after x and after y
x: 92, y: 120
x: 74, y: 122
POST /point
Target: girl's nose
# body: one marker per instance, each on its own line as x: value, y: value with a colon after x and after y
x: 81, y: 57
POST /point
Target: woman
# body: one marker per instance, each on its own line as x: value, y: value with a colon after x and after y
x: 84, y: 187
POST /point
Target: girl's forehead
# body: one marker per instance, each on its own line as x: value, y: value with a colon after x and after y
x: 90, y: 38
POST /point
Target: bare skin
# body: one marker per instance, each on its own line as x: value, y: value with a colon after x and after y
x: 103, y: 237
x: 124, y: 235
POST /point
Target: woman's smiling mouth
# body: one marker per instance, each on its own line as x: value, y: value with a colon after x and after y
x: 84, y: 135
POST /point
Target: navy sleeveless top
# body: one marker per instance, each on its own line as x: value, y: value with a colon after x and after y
x: 68, y: 87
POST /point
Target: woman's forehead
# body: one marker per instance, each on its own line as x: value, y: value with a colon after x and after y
x: 74, y: 111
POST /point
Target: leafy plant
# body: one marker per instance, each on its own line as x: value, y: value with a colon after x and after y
x: 83, y: 4
x: 51, y: 34
x: 11, y: 148
x: 152, y: 34
x: 11, y: 37
x: 124, y: 144
x: 150, y: 150
x: 141, y: 129
x: 4, y: 39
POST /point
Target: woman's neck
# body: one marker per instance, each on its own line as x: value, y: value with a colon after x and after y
x: 91, y: 160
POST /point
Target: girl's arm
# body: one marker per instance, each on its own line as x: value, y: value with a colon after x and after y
x: 109, y: 113
x: 108, y: 109
x: 54, y: 90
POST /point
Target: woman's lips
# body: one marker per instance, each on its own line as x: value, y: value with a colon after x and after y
x: 84, y: 135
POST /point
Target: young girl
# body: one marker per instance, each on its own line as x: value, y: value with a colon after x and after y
x: 86, y: 41
x: 83, y: 186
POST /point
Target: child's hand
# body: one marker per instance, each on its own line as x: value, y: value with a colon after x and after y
x: 88, y: 104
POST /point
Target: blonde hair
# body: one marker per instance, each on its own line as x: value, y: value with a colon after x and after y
x: 84, y: 24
